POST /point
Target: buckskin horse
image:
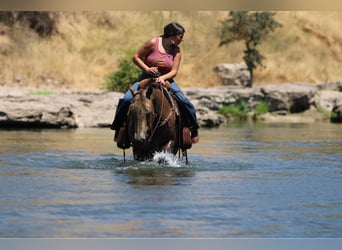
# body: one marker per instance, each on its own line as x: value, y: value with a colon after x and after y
x: 153, y: 122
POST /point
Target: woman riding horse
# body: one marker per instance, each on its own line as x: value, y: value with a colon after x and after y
x: 160, y: 58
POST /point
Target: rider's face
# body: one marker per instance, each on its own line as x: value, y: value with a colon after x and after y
x: 178, y: 38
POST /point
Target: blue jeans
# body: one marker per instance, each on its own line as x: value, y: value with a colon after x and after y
x: 187, y: 110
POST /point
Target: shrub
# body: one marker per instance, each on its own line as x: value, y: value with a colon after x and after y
x: 261, y: 108
x: 43, y: 92
x: 236, y: 110
x: 127, y: 73
x: 326, y: 114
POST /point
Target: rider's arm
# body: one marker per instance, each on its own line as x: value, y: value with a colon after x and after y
x: 174, y: 70
x: 141, y: 54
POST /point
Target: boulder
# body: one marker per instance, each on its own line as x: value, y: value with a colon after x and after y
x: 233, y: 74
x: 336, y: 115
x: 293, y: 98
x: 22, y: 108
x: 38, y: 118
x: 328, y: 99
x: 207, y: 117
x: 333, y: 86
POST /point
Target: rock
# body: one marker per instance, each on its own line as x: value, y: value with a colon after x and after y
x: 208, y: 118
x: 21, y: 108
x: 38, y: 118
x: 65, y: 118
x: 293, y: 98
x: 328, y: 99
x: 333, y: 86
x: 336, y: 114
x: 233, y: 74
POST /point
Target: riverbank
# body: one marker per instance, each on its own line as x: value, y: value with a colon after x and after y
x: 296, y: 103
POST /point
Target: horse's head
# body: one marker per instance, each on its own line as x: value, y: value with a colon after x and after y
x: 140, y: 116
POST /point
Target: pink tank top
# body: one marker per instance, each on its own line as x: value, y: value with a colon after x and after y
x: 163, y: 61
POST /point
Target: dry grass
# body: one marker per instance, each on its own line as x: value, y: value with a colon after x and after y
x: 87, y: 46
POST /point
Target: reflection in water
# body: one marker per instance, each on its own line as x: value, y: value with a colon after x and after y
x: 157, y: 176
x: 245, y: 180
x: 163, y: 169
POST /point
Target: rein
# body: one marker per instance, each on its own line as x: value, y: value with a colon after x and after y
x: 160, y: 123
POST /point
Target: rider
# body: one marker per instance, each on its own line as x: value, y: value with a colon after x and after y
x: 160, y: 58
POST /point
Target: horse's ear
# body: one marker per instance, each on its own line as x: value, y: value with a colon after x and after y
x: 132, y: 90
x: 143, y: 83
x: 149, y: 91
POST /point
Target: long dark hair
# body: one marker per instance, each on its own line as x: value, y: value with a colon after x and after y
x: 173, y: 29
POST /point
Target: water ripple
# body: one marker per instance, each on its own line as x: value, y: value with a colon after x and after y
x: 246, y: 181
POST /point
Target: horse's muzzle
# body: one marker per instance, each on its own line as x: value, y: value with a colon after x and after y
x: 140, y: 142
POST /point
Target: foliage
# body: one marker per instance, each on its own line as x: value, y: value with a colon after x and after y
x: 236, y: 110
x: 250, y: 27
x: 261, y: 108
x: 42, y: 92
x: 333, y: 117
x: 240, y: 110
x: 325, y: 113
x: 127, y: 73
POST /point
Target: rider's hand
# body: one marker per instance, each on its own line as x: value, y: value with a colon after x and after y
x: 153, y: 71
x: 163, y: 82
x: 160, y: 80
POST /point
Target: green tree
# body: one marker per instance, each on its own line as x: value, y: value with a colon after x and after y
x: 250, y: 27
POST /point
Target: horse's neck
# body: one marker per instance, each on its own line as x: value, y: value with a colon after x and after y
x: 166, y: 95
x: 158, y: 101
x: 165, y: 105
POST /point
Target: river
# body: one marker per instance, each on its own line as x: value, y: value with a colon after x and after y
x: 242, y: 181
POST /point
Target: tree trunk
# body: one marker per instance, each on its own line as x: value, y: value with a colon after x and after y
x: 250, y: 80
x: 249, y: 62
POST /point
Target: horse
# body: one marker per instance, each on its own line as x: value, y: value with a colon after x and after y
x: 153, y: 121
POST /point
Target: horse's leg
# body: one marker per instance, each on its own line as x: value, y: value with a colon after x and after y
x: 169, y: 147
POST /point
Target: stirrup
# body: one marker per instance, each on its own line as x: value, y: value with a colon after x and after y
x: 194, y: 136
x: 186, y: 136
x: 122, y: 140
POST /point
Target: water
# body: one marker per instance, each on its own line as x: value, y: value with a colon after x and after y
x: 242, y: 181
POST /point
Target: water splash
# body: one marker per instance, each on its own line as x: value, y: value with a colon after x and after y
x: 166, y: 159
